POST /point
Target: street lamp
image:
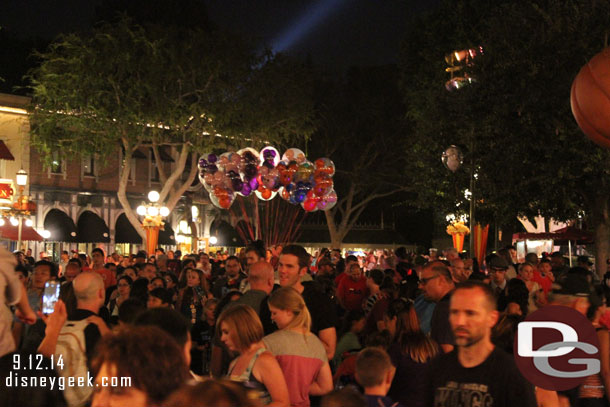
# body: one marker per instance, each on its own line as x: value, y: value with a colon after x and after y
x: 22, y: 207
x: 153, y: 215
x: 459, y: 67
x: 453, y: 159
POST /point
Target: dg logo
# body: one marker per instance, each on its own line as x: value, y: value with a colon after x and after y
x: 556, y: 348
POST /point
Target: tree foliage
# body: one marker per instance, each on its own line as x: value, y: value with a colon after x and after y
x: 129, y: 86
x: 515, y: 123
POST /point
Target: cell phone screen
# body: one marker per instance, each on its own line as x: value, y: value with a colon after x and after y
x: 50, y: 296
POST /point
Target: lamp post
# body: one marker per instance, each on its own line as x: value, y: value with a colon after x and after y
x: 22, y: 207
x: 460, y: 63
x: 153, y: 220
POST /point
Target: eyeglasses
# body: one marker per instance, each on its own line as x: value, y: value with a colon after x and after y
x: 424, y: 281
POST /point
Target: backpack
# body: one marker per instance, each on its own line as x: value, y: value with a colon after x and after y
x: 72, y: 348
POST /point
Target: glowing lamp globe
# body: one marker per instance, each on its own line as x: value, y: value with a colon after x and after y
x: 141, y: 210
x: 590, y: 101
x: 153, y: 196
x: 164, y: 211
x: 213, y: 240
x: 22, y: 178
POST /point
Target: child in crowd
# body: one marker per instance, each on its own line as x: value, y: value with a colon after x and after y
x: 374, y: 372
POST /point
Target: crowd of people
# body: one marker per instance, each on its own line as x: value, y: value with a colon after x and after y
x: 281, y: 327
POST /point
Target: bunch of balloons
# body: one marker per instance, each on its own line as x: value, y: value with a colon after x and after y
x: 247, y: 171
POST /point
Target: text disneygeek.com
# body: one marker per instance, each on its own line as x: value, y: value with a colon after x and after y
x: 17, y: 380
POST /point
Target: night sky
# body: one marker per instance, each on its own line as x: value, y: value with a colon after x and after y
x: 335, y: 33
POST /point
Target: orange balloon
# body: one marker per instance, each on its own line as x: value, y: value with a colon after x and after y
x: 220, y: 192
x: 590, y: 101
x: 285, y: 194
x: 225, y: 203
x: 265, y: 193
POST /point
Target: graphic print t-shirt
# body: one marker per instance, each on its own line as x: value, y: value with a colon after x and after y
x: 494, y: 383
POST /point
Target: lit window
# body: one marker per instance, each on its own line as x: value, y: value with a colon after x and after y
x: 88, y: 165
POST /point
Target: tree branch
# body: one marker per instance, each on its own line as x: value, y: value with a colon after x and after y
x: 159, y: 163
x: 177, y: 194
x: 371, y: 197
x: 180, y: 164
x: 125, y: 169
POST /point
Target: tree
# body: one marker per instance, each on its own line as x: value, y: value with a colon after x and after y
x: 515, y: 123
x: 362, y: 130
x: 130, y: 86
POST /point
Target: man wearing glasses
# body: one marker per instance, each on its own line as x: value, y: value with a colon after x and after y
x: 437, y: 285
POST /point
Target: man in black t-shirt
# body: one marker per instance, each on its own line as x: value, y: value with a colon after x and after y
x: 292, y: 265
x: 476, y: 373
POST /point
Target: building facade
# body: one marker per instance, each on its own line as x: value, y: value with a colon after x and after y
x: 77, y: 199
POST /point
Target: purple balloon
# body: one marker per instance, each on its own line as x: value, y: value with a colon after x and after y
x: 253, y: 184
x: 212, y: 168
x: 268, y: 154
x: 245, y: 189
x: 202, y: 162
x: 212, y: 158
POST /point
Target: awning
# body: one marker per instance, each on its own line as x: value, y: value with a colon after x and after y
x: 166, y: 235
x: 5, y: 153
x: 92, y: 229
x: 61, y: 226
x: 560, y: 236
x: 124, y: 232
x: 10, y: 232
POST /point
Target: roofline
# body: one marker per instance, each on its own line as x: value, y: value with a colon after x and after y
x: 14, y: 103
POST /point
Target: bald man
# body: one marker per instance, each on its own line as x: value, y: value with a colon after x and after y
x: 89, y: 291
x: 260, y: 278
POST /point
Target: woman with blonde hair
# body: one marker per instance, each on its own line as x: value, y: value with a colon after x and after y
x: 240, y: 329
x: 300, y: 353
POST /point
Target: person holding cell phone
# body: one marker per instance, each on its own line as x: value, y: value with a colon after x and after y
x: 44, y: 271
